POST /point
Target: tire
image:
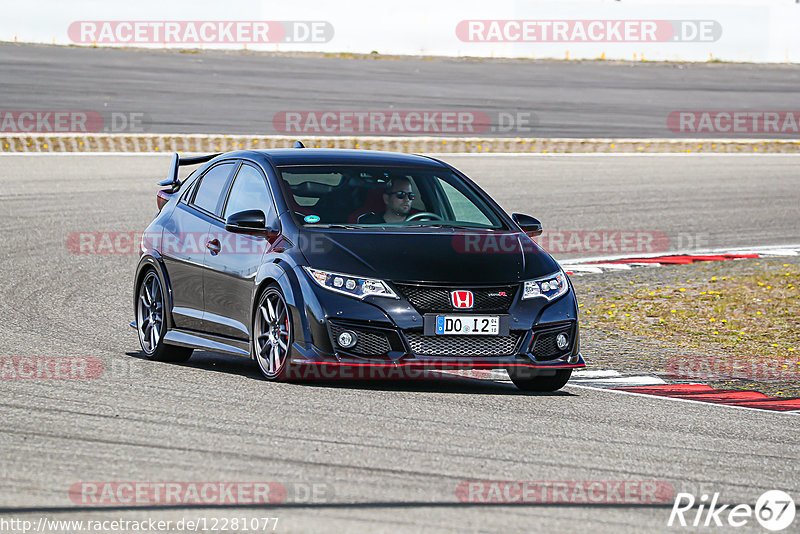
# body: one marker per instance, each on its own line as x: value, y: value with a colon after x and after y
x: 523, y: 380
x: 273, y: 333
x: 150, y: 324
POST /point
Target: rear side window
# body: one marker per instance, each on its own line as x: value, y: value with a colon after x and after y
x: 211, y: 187
x: 296, y: 177
x: 249, y: 192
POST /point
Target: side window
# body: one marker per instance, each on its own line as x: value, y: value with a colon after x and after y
x: 464, y: 210
x: 211, y: 187
x: 249, y: 192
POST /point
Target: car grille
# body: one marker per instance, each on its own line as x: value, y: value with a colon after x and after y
x: 433, y: 299
x: 368, y: 342
x: 462, y: 345
x: 544, y: 344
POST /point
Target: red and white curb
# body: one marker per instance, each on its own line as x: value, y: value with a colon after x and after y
x: 646, y: 385
x: 613, y: 381
x: 692, y: 392
x: 625, y: 263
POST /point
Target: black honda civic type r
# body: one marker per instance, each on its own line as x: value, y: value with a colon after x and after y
x: 318, y: 259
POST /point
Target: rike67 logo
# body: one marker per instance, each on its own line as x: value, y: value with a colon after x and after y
x: 774, y: 510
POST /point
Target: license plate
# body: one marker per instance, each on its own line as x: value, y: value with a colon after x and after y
x: 482, y: 325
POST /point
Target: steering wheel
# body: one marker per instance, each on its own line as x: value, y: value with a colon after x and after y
x: 425, y: 214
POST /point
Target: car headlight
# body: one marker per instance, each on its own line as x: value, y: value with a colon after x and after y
x: 550, y: 287
x: 351, y: 285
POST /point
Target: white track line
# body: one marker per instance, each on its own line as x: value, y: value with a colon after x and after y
x: 623, y: 381
x: 613, y: 266
x: 600, y: 373
x: 582, y: 269
x: 774, y: 253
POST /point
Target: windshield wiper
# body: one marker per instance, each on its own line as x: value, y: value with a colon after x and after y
x: 342, y: 226
x: 449, y: 225
x: 394, y: 226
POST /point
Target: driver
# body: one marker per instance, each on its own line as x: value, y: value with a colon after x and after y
x: 397, y: 197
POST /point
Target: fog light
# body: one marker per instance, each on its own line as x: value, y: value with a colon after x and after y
x: 347, y: 339
x: 562, y: 341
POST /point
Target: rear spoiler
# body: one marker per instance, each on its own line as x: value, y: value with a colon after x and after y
x: 177, y: 161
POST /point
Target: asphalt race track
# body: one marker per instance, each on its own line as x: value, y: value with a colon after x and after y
x: 386, y: 455
x: 238, y: 93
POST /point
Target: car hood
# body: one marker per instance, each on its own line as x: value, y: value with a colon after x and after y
x: 426, y: 255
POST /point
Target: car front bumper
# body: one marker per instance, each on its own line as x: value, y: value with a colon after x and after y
x: 395, y: 337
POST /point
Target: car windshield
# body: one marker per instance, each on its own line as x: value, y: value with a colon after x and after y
x: 370, y: 196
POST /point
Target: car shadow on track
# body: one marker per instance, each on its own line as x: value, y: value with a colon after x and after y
x: 213, y: 361
x: 424, y: 382
x: 455, y: 384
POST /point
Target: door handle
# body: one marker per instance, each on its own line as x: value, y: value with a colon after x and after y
x: 214, y: 246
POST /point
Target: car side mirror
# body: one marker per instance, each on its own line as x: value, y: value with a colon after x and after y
x: 530, y: 225
x: 247, y: 222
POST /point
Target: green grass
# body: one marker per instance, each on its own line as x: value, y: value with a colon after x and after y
x: 747, y: 316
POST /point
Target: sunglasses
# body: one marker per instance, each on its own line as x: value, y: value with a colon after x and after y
x: 402, y: 194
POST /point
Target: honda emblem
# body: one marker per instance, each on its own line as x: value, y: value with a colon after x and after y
x: 461, y: 299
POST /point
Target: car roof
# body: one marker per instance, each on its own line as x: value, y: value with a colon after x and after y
x: 333, y: 156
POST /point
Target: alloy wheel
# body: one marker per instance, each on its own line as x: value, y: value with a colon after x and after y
x: 272, y: 333
x: 150, y: 312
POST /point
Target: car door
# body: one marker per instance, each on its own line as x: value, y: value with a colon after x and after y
x: 184, y: 243
x: 231, y: 270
